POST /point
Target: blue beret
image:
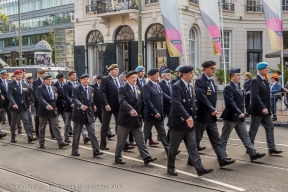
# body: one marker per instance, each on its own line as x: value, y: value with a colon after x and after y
x: 152, y: 71
x: 186, y: 69
x: 207, y: 64
x: 130, y: 73
x: 85, y: 75
x: 139, y: 69
x: 261, y: 65
x: 166, y: 70
x: 3, y: 71
x: 234, y: 70
x: 177, y: 69
x: 124, y: 73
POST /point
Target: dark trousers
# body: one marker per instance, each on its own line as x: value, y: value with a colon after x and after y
x: 98, y: 115
x: 6, y: 106
x: 37, y: 124
x: 247, y: 103
x: 106, y: 118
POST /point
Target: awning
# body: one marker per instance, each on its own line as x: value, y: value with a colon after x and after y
x: 277, y: 54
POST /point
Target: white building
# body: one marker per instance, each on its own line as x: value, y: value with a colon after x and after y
x: 115, y: 23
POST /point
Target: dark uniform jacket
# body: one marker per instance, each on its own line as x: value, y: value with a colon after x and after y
x: 67, y: 91
x: 97, y: 98
x: 79, y: 98
x: 182, y: 108
x: 166, y: 96
x: 128, y: 102
x: 60, y: 102
x: 44, y: 100
x: 3, y: 91
x: 109, y: 93
x: 234, y: 103
x: 205, y: 100
x: 260, y: 96
x: 16, y: 97
x: 36, y: 83
x: 153, y: 101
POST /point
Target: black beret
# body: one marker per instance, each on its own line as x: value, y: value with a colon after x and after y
x: 207, y: 64
x: 59, y: 75
x: 85, y: 75
x: 23, y: 70
x: 186, y: 69
x: 46, y: 77
x: 152, y: 71
x: 130, y: 73
x: 29, y: 77
x: 234, y: 70
x: 99, y: 76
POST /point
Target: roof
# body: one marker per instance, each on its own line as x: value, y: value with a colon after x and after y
x: 43, y: 46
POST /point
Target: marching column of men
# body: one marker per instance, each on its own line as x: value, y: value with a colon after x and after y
x: 136, y: 104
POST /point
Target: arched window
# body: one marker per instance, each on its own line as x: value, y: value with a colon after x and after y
x: 193, y: 40
x: 94, y: 37
x: 124, y: 33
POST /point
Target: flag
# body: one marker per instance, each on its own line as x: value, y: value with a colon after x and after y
x: 170, y: 18
x: 210, y: 16
x: 274, y: 23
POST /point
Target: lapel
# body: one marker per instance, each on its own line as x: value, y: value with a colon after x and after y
x: 187, y: 92
x: 154, y: 87
x: 81, y: 89
x: 17, y: 86
x: 240, y: 92
x: 113, y: 83
x: 263, y: 82
x: 130, y: 91
x: 44, y: 90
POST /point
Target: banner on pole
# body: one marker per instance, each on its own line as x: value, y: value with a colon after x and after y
x: 170, y: 18
x: 274, y: 23
x: 210, y: 15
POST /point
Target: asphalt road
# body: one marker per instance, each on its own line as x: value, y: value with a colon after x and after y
x: 24, y: 166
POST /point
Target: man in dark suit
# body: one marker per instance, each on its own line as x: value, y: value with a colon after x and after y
x: 47, y: 111
x: 178, y: 75
x: 4, y: 90
x: 130, y: 119
x: 18, y: 106
x: 234, y: 117
x: 67, y: 91
x: 2, y: 134
x: 30, y: 101
x: 153, y: 112
x: 206, y: 96
x: 181, y: 123
x: 122, y: 78
x: 260, y: 107
x: 83, y: 114
x: 60, y: 102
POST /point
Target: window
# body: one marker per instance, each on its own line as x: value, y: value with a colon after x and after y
x: 254, y: 49
x: 193, y: 47
x: 254, y: 6
x: 285, y: 41
x: 226, y: 49
x: 285, y: 5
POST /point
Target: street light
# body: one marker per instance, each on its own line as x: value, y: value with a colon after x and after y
x: 102, y: 47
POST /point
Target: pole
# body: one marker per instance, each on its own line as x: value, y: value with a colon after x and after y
x: 140, y: 51
x: 183, y: 36
x: 20, y: 35
x: 223, y: 52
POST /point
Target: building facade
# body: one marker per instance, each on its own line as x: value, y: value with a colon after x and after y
x: 115, y: 22
x: 38, y: 18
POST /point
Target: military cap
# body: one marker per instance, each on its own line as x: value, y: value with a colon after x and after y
x: 59, y: 75
x: 3, y: 71
x: 29, y: 77
x: 71, y: 72
x: 46, y: 77
x: 207, y: 64
x: 131, y: 73
x: 18, y: 71
x: 99, y: 76
x: 85, y: 75
x: 113, y: 66
x: 166, y: 70
x: 152, y: 71
x: 186, y: 69
x: 177, y: 69
x: 42, y: 71
x: 12, y: 76
x: 123, y: 73
x: 139, y: 69
x: 234, y: 70
x: 261, y: 65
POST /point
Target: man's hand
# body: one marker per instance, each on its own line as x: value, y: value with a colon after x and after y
x: 215, y: 113
x: 265, y: 111
x: 157, y: 116
x: 84, y: 107
x: 3, y: 98
x: 241, y: 115
x: 94, y: 109
x: 107, y: 108
x: 49, y: 108
x: 133, y: 113
x: 15, y: 106
x: 190, y: 122
x: 72, y: 106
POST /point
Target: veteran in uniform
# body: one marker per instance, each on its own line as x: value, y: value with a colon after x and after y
x: 4, y: 98
x: 181, y: 123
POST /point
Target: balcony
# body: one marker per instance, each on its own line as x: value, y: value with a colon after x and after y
x: 254, y: 8
x: 227, y: 6
x: 151, y: 1
x: 194, y: 1
x: 103, y: 6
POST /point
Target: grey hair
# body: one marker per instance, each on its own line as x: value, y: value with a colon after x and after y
x: 95, y: 76
x: 162, y: 74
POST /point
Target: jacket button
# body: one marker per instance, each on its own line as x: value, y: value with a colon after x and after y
x: 196, y: 108
x: 191, y: 108
x: 195, y: 116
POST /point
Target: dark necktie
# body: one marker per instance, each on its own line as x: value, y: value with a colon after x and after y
x: 169, y: 86
x: 136, y: 94
x: 116, y: 83
x: 157, y: 87
x: 50, y: 93
x: 239, y: 89
x: 190, y: 90
x: 5, y: 85
x: 86, y: 91
x: 19, y: 85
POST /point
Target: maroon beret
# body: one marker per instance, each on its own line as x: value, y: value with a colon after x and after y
x: 18, y: 71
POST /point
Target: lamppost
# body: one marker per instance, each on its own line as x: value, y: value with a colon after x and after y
x: 101, y: 48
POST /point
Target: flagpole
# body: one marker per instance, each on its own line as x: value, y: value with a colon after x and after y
x: 222, y: 37
x: 183, y: 37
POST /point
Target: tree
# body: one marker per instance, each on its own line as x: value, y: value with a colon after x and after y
x: 51, y: 40
x: 3, y: 18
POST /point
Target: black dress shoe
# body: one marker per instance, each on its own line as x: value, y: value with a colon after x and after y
x: 62, y: 144
x: 189, y: 163
x: 257, y: 156
x: 104, y: 148
x: 42, y: 146
x: 86, y: 140
x: 33, y: 131
x: 127, y: 147
x: 204, y: 171
x: 274, y: 151
x: 67, y: 141
x: 75, y: 153
x: 201, y: 148
x: 3, y: 134
x: 13, y: 140
x: 149, y: 159
x: 172, y: 171
x: 53, y: 138
x: 226, y: 162
x: 110, y: 136
x: 19, y: 132
x: 119, y: 161
x: 70, y: 133
x: 31, y: 139
x: 97, y: 153
x: 228, y: 158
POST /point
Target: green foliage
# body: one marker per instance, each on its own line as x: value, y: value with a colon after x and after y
x: 3, y: 18
x: 51, y: 40
x: 198, y: 72
x: 220, y: 76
